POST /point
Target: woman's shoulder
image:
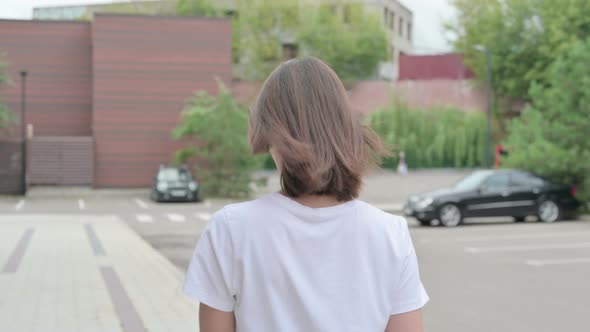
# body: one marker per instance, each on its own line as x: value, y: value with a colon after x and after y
x: 373, y: 214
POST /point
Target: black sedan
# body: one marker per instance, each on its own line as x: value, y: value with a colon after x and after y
x: 174, y: 184
x: 491, y: 193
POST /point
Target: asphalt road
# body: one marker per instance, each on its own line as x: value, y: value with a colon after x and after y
x: 488, y: 275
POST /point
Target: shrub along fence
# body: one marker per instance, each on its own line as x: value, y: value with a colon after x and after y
x: 435, y: 137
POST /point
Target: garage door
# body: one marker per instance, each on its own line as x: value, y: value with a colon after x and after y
x: 59, y: 160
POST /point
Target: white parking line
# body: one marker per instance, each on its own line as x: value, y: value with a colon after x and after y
x: 144, y: 218
x: 19, y: 205
x: 141, y: 203
x: 474, y: 250
x: 203, y: 216
x: 538, y: 262
x: 176, y: 217
x: 81, y: 204
x: 521, y: 236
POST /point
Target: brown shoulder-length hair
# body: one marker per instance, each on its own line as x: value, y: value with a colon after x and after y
x: 304, y: 115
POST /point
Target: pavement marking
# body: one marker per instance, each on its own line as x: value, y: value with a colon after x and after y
x: 521, y: 236
x: 95, y: 243
x: 19, y: 205
x: 81, y: 204
x: 203, y: 216
x: 141, y: 203
x: 176, y: 217
x: 128, y: 316
x: 18, y: 253
x: 539, y: 262
x: 474, y: 250
x: 144, y: 218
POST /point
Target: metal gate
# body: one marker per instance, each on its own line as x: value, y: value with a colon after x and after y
x: 11, y: 181
x: 60, y: 160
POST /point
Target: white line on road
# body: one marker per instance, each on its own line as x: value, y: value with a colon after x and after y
x: 81, y: 204
x: 19, y: 205
x: 538, y: 262
x: 203, y: 216
x: 176, y: 217
x: 141, y: 203
x: 522, y: 236
x: 473, y: 250
x: 144, y: 218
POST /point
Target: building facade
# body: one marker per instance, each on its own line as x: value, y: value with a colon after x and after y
x: 102, y: 97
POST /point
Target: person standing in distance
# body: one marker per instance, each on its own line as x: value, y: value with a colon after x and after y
x: 312, y: 257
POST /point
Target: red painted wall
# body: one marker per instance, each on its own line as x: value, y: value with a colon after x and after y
x: 57, y: 57
x: 431, y: 67
x: 144, y: 68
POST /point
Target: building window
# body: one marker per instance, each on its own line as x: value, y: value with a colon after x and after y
x: 386, y: 17
x: 409, y: 32
x: 289, y: 51
x: 401, y: 27
x: 392, y: 20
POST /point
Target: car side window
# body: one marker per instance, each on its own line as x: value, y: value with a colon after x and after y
x: 525, y: 180
x: 496, y: 183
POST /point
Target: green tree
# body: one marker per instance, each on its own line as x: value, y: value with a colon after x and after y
x: 524, y: 37
x: 217, y: 128
x: 551, y: 136
x: 344, y: 35
x: 6, y: 117
x: 197, y: 8
x: 353, y: 42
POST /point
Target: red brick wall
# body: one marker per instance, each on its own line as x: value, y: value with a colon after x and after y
x: 144, y: 69
x: 56, y: 56
x: 431, y: 67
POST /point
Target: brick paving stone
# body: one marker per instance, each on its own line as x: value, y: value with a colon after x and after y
x: 58, y: 285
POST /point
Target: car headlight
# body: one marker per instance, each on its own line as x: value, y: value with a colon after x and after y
x: 425, y: 202
x: 162, y: 186
x: 192, y: 186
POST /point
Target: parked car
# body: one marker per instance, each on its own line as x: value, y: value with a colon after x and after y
x: 491, y: 193
x: 174, y: 184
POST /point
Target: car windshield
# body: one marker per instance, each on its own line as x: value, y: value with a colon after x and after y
x: 172, y: 174
x: 473, y: 181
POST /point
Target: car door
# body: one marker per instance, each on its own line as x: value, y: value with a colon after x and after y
x: 491, y: 199
x: 525, y: 190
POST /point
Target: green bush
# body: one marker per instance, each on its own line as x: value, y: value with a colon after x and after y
x: 218, y: 131
x: 437, y: 137
x: 552, y: 137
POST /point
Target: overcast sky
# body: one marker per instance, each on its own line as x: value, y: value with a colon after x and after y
x: 429, y: 15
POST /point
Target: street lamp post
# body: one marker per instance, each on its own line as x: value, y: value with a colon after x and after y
x: 490, y: 106
x: 23, y: 119
x: 488, y: 57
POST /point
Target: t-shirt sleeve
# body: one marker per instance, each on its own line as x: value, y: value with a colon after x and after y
x: 408, y: 293
x: 209, y: 276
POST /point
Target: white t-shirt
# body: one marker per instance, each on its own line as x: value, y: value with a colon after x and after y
x: 282, y: 266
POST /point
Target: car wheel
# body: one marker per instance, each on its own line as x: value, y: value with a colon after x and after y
x: 450, y: 215
x: 519, y: 219
x: 424, y: 222
x: 548, y: 211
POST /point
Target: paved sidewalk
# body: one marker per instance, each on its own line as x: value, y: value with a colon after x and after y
x: 61, y: 273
